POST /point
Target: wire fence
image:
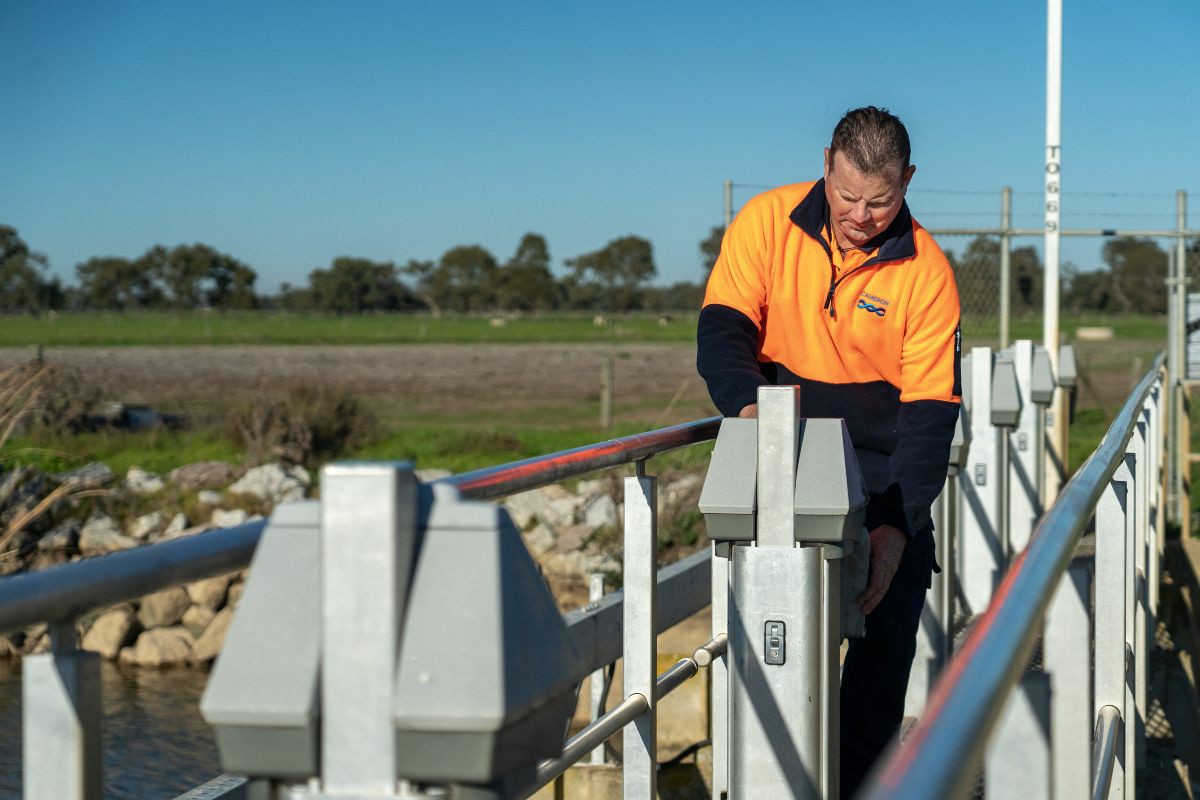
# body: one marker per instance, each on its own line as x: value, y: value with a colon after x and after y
x: 959, y: 217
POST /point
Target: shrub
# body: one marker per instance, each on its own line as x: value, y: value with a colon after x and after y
x: 305, y: 425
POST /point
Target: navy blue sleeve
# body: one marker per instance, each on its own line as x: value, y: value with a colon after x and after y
x: 727, y: 358
x: 917, y: 467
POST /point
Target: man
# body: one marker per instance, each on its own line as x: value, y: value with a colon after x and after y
x: 834, y: 287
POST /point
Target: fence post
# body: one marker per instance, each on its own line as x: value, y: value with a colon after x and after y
x: 61, y: 716
x: 606, y: 394
x: 980, y: 551
x: 1005, y: 259
x: 718, y: 672
x: 641, y: 648
x: 1065, y: 654
x: 596, y: 681
x: 1017, y: 765
x: 1112, y: 523
x: 368, y: 542
x: 1141, y: 633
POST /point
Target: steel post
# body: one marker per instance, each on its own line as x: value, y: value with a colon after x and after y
x: 596, y: 680
x: 981, y: 552
x: 61, y: 721
x: 1111, y: 637
x: 641, y: 647
x: 1024, y: 498
x: 1005, y: 263
x: 368, y: 537
x: 718, y: 672
x: 1066, y: 657
x: 831, y: 640
x: 1142, y: 634
x: 1017, y: 765
x: 775, y: 698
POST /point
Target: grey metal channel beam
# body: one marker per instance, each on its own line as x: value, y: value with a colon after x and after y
x: 683, y: 589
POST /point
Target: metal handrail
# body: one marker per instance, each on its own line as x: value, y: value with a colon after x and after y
x: 626, y: 711
x: 532, y: 473
x: 1108, y: 729
x: 968, y: 700
x: 65, y: 592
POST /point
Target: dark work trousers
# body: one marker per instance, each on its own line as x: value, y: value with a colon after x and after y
x: 875, y: 672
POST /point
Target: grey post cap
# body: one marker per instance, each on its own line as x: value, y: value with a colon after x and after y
x: 1006, y: 397
x: 1067, y: 371
x: 483, y: 688
x: 1041, y: 390
x: 261, y: 698
x: 831, y: 496
x: 729, y: 497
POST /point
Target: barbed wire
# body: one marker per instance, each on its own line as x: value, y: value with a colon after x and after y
x: 994, y: 192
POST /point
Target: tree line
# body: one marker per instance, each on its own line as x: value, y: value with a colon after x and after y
x: 468, y: 278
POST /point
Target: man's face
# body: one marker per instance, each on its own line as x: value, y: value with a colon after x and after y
x: 861, y: 206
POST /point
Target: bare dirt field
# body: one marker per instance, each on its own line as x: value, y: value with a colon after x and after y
x: 536, y: 381
x: 526, y: 384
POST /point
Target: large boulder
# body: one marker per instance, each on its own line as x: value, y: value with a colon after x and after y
x: 139, y: 481
x: 203, y: 475
x: 89, y: 476
x: 197, y: 619
x: 274, y: 483
x: 600, y: 512
x: 222, y: 518
x: 160, y: 648
x: 208, y: 646
x: 539, y: 539
x: 209, y: 592
x: 100, y: 534
x: 553, y: 505
x: 61, y: 538
x: 110, y: 632
x: 145, y: 526
x: 164, y: 609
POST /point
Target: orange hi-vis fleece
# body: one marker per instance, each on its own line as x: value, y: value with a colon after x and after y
x: 874, y: 340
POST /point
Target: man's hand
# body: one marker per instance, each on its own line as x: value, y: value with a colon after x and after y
x: 750, y: 411
x: 887, y: 547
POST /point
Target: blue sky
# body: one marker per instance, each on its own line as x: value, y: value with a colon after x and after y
x: 290, y: 133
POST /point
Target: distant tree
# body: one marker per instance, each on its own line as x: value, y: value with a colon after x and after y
x: 1086, y: 291
x: 525, y: 283
x: 710, y: 247
x: 977, y: 273
x: 683, y: 296
x: 118, y: 284
x: 24, y: 285
x: 197, y: 275
x: 351, y: 285
x: 465, y: 279
x: 1137, y: 271
x: 612, y: 277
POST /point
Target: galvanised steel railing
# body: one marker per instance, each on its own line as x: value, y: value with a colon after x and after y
x: 64, y: 765
x: 982, y: 703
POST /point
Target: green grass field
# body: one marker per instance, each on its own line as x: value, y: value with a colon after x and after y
x: 272, y: 328
x: 278, y: 328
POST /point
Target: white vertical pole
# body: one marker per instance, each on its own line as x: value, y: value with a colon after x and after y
x: 596, y: 687
x: 641, y: 648
x: 368, y: 538
x: 1056, y: 421
x: 1005, y: 264
x: 1131, y: 627
x: 1066, y: 655
x: 1111, y: 567
x: 719, y: 675
x: 61, y: 720
x: 1017, y: 763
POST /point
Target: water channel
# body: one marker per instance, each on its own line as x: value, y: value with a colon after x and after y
x: 156, y: 745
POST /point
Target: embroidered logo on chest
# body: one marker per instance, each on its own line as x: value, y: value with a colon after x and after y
x: 872, y: 305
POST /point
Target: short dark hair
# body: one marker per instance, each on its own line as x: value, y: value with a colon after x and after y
x: 873, y: 139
